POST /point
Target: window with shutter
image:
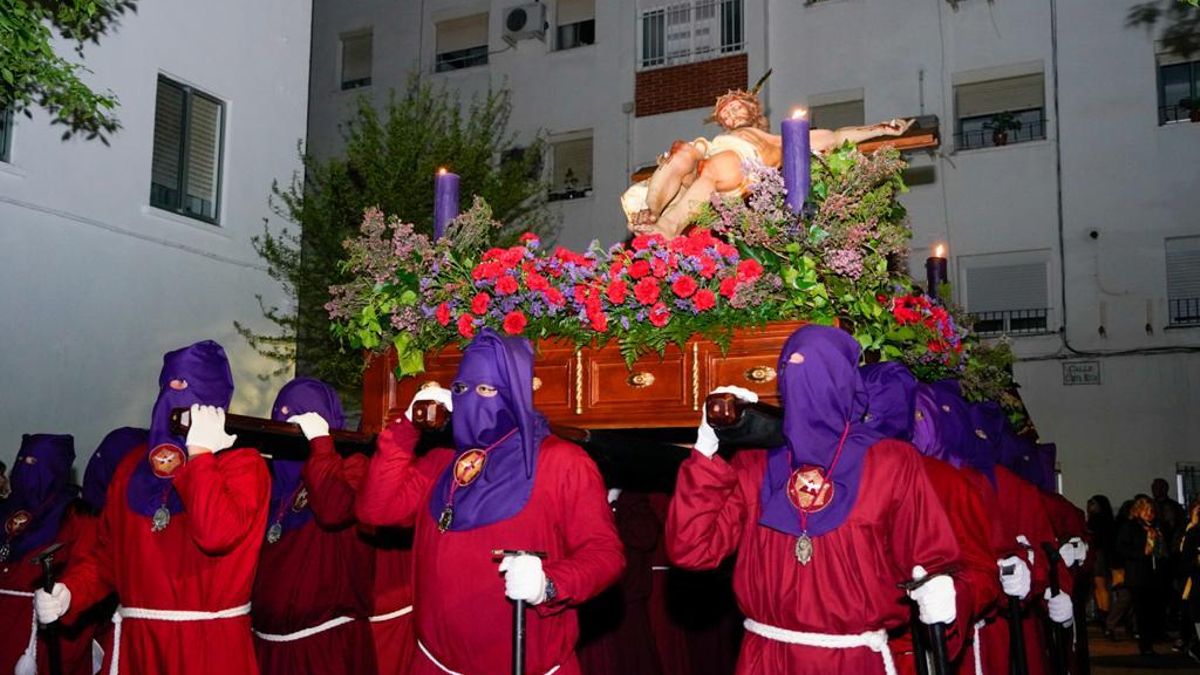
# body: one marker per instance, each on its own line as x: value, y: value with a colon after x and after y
x: 576, y: 24
x: 185, y: 166
x: 571, y: 169
x: 1178, y: 90
x: 356, y: 60
x: 1008, y: 298
x: 6, y: 129
x: 1183, y: 280
x: 1000, y: 112
x: 838, y: 115
x: 677, y: 32
x: 462, y: 43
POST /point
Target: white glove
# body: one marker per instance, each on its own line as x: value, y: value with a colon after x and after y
x: 1016, y: 584
x: 524, y: 578
x: 935, y: 598
x: 1024, y: 542
x: 439, y: 394
x: 1060, y: 608
x: 706, y: 437
x: 613, y: 495
x: 51, y: 606
x: 312, y: 424
x: 207, y: 429
x: 1073, y: 552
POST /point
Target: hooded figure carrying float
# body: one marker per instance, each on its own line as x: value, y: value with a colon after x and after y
x: 507, y: 484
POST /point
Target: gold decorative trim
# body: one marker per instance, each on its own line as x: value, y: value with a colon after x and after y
x: 640, y: 380
x: 760, y: 374
x: 537, y: 383
x: 695, y: 376
x: 578, y: 382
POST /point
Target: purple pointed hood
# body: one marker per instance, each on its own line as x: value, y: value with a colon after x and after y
x: 942, y: 424
x: 41, y: 493
x: 289, y: 499
x: 824, y: 401
x: 198, y: 373
x: 1029, y: 460
x: 506, y: 422
x: 104, y: 462
x: 891, y: 391
x: 982, y: 453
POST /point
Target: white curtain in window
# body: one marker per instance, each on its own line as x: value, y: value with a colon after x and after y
x: 1007, y: 287
x: 464, y: 33
x: 574, y: 11
x: 837, y: 115
x: 1183, y: 268
x: 574, y: 157
x: 356, y: 57
x: 994, y: 96
x: 204, y: 153
x: 168, y: 135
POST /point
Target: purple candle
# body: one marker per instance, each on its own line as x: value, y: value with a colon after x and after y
x: 797, y: 159
x: 935, y: 271
x: 445, y: 201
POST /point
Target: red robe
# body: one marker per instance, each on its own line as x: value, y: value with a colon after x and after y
x: 333, y: 484
x: 1067, y: 521
x: 976, y: 585
x: 849, y: 587
x: 318, y: 572
x: 462, y: 615
x: 16, y: 613
x: 203, y: 561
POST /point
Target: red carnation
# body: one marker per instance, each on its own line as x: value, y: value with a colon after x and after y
x: 644, y: 241
x: 486, y: 270
x: 749, y: 270
x: 726, y: 250
x: 639, y: 269
x: 511, y: 257
x: 536, y: 282
x: 708, y: 267
x: 615, y: 267
x: 646, y: 291
x: 480, y: 302
x: 660, y: 267
x: 617, y: 291
x: 704, y: 300
x: 555, y: 297
x: 514, y: 322
x: 506, y: 285
x: 528, y: 237
x: 442, y: 314
x: 492, y: 253
x: 466, y: 326
x: 599, y: 321
x: 659, y: 315
x: 580, y: 294
x: 728, y: 286
x: 684, y: 286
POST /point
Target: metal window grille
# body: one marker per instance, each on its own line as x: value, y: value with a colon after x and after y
x: 690, y: 31
x: 1183, y: 280
x: 1012, y: 322
x: 1178, y: 92
x: 979, y: 132
x: 185, y: 168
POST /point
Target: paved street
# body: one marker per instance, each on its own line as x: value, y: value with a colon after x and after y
x: 1121, y: 658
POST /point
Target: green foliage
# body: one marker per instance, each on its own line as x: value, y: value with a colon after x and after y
x: 31, y: 73
x: 389, y: 162
x: 1179, y: 19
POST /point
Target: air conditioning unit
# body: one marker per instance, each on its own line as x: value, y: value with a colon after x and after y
x: 522, y: 22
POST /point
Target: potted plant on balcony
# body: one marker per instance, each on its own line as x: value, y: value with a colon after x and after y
x: 1000, y: 125
x: 1192, y: 106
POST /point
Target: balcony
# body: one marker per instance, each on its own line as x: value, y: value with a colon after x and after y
x: 981, y: 132
x: 1184, y: 311
x: 689, y: 32
x: 1012, y: 322
x: 1170, y: 114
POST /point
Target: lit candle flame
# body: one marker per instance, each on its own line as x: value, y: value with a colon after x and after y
x: 799, y: 114
x: 441, y: 171
x: 939, y: 252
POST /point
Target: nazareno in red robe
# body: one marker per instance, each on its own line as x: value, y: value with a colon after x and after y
x: 1067, y: 521
x: 333, y: 484
x: 463, y: 618
x: 850, y: 585
x: 77, y: 533
x: 976, y: 585
x: 203, y: 561
x: 319, y: 572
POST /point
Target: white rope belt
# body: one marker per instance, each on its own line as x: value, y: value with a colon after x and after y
x: 173, y: 615
x: 875, y: 640
x: 976, y: 649
x: 306, y: 632
x: 380, y: 618
x: 446, y: 670
x: 28, y: 661
x: 660, y: 568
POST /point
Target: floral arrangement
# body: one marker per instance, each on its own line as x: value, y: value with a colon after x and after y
x: 745, y: 262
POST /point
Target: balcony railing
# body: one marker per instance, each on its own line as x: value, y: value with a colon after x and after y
x: 972, y: 139
x: 690, y: 31
x: 1184, y: 311
x: 1012, y: 322
x: 461, y: 58
x: 1169, y: 114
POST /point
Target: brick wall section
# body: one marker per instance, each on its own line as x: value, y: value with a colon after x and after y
x: 692, y: 85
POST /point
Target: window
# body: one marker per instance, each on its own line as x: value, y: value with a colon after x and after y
x: 1183, y: 281
x: 356, y: 60
x: 462, y: 43
x: 1000, y: 112
x: 185, y: 171
x: 1178, y: 90
x: 692, y: 30
x: 1007, y: 294
x: 576, y: 24
x: 837, y: 115
x: 571, y: 169
x: 6, y: 129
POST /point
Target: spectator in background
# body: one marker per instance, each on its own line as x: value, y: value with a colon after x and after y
x: 5, y: 490
x: 1189, y: 567
x: 1142, y: 546
x: 1171, y: 518
x: 1103, y: 526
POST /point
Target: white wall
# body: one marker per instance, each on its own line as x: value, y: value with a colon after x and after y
x: 95, y: 285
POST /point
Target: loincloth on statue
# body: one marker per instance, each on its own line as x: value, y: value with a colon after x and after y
x: 633, y: 201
